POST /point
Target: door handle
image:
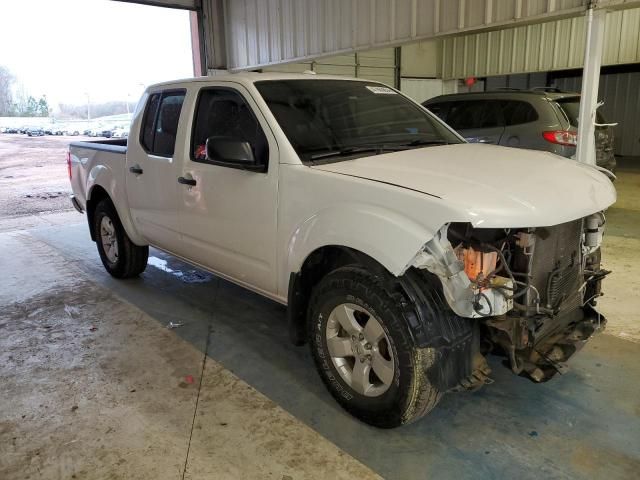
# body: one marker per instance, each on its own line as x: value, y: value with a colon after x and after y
x: 136, y: 169
x: 187, y: 181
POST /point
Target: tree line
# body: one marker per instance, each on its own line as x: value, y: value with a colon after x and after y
x: 28, y: 106
x: 97, y: 109
x: 23, y: 105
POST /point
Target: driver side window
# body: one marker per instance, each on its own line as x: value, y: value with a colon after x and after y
x: 223, y: 112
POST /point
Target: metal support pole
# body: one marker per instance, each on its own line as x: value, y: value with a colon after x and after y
x: 197, y: 44
x: 586, y: 148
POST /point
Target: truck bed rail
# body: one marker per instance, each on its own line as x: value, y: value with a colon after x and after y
x: 118, y: 145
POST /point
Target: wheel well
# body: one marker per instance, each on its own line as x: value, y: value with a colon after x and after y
x: 318, y: 264
x: 97, y: 194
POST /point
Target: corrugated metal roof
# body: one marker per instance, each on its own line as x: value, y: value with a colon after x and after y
x: 556, y: 45
x: 263, y: 32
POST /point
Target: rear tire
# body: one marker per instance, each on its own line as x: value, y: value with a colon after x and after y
x: 120, y: 256
x: 353, y: 297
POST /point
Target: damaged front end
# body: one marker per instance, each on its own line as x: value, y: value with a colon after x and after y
x: 532, y: 290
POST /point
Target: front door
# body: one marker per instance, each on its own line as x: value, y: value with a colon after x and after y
x: 151, y: 171
x: 229, y: 210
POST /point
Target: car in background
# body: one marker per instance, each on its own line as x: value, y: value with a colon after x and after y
x: 72, y: 130
x: 3, y: 129
x: 58, y: 130
x: 48, y: 129
x: 35, y: 132
x: 99, y: 131
x: 119, y: 132
x: 94, y: 131
x: 11, y: 130
x: 539, y: 119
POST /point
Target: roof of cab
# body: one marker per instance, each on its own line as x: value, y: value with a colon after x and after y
x: 252, y: 77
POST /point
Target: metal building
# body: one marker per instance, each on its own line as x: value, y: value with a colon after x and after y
x: 423, y: 46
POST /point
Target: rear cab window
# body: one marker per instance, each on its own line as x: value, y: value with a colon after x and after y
x: 160, y: 122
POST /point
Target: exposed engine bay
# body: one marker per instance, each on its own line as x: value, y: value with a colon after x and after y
x: 532, y: 290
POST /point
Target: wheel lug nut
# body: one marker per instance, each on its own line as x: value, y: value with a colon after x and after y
x: 368, y: 346
x: 361, y: 336
x: 361, y: 359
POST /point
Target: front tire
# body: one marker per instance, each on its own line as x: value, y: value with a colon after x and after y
x: 120, y: 256
x: 364, y: 352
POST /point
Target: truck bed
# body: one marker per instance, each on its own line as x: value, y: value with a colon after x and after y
x: 102, y: 161
x: 114, y: 145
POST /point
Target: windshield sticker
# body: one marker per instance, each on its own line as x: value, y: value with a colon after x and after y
x: 381, y: 90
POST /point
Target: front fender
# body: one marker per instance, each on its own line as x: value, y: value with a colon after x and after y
x: 113, y: 183
x: 389, y: 237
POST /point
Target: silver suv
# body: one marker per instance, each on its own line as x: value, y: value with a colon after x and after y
x: 535, y: 119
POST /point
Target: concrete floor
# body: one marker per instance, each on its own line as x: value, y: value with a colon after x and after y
x: 95, y: 386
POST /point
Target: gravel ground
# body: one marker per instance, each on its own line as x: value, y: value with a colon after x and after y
x: 33, y: 174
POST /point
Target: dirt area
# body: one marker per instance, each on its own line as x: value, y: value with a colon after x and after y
x: 33, y: 174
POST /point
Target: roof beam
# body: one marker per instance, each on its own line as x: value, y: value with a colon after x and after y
x: 179, y: 4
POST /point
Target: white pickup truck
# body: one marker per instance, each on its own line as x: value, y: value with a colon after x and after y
x: 405, y: 255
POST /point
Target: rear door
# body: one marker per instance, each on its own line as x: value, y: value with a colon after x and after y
x: 151, y: 173
x: 478, y: 121
x: 521, y: 129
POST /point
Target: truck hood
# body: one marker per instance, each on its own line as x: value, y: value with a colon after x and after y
x: 491, y: 186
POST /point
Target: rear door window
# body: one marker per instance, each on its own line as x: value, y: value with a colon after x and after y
x: 474, y: 114
x: 518, y: 112
x: 160, y: 124
x: 146, y: 137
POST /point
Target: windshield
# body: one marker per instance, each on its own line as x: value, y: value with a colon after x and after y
x: 337, y: 119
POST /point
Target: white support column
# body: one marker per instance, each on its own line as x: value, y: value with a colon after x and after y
x: 197, y: 45
x: 586, y: 149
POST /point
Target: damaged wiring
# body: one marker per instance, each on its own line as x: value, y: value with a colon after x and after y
x: 509, y: 293
x: 477, y: 306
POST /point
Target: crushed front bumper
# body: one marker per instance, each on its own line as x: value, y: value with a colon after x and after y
x: 541, y: 358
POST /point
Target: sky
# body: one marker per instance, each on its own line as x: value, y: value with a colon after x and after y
x: 109, y: 50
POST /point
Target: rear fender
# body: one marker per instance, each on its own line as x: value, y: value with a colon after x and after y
x: 104, y: 177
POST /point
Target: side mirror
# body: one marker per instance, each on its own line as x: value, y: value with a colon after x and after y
x: 230, y: 150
